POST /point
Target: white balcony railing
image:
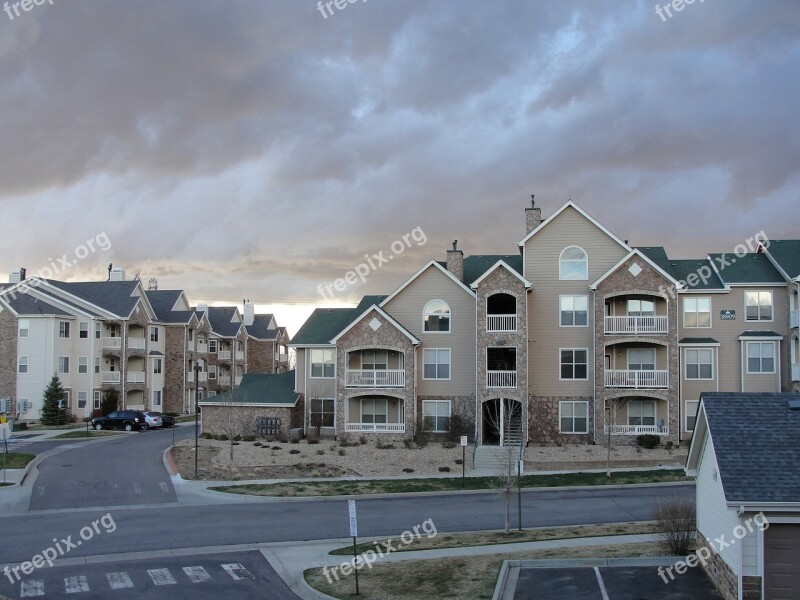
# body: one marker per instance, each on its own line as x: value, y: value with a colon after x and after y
x: 201, y: 377
x: 202, y: 348
x: 376, y: 378
x: 224, y: 355
x: 637, y: 430
x: 110, y: 377
x: 283, y: 357
x: 505, y: 323
x: 795, y: 318
x: 134, y: 377
x: 637, y: 379
x: 501, y: 379
x: 224, y: 380
x: 112, y: 343
x: 136, y: 343
x: 795, y: 372
x: 376, y: 427
x: 240, y: 355
x: 636, y: 325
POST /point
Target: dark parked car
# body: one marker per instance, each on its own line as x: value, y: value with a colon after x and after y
x: 166, y: 420
x: 129, y: 420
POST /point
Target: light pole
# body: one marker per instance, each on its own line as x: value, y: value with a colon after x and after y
x: 196, y: 416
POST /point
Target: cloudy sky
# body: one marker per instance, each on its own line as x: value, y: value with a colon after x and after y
x: 256, y: 148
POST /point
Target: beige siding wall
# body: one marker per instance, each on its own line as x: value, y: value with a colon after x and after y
x: 407, y: 309
x: 542, y: 252
x: 300, y: 367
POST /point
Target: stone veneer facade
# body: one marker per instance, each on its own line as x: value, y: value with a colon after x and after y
x: 649, y: 282
x: 8, y: 359
x: 215, y: 419
x: 718, y: 571
x: 175, y: 369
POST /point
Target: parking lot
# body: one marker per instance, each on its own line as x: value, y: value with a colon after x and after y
x: 608, y: 583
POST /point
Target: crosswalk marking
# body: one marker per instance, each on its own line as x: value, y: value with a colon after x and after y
x: 76, y: 585
x: 237, y: 571
x: 161, y: 576
x: 31, y: 588
x: 197, y: 574
x: 119, y: 581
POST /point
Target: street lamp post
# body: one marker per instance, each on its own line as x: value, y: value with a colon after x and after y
x: 196, y: 416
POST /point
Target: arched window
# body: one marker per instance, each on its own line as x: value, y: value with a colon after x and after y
x: 573, y: 264
x: 436, y: 317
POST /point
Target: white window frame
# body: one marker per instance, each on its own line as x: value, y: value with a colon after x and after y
x: 158, y: 366
x: 24, y: 325
x: 573, y: 403
x: 639, y: 313
x: 775, y: 357
x: 641, y: 350
x: 324, y: 363
x: 641, y: 416
x: 97, y: 398
x: 772, y: 306
x: 426, y: 313
x: 375, y: 413
x: 63, y: 330
x: 22, y: 365
x: 690, y: 414
x: 154, y: 334
x: 212, y: 371
x: 63, y: 364
x: 98, y: 330
x: 215, y: 345
x: 67, y: 399
x: 562, y: 260
x: 97, y: 364
x: 157, y: 395
x: 437, y: 416
x: 83, y: 363
x: 687, y: 362
x: 437, y: 363
x: 85, y: 399
x: 573, y: 311
x: 83, y: 330
x: 697, y: 312
x: 311, y: 412
x: 573, y: 350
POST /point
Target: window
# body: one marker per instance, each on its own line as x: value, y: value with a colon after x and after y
x: 573, y: 417
x: 436, y: 415
x: 212, y: 372
x: 436, y: 363
x: 691, y: 415
x: 24, y: 328
x: 758, y: 306
x: 63, y: 329
x: 642, y: 413
x: 697, y: 312
x: 322, y: 363
x: 154, y: 334
x: 574, y: 364
x: 574, y: 311
x: 83, y: 332
x: 97, y: 331
x: 760, y: 357
x: 641, y: 359
x: 157, y: 364
x: 63, y: 364
x: 97, y: 365
x: 641, y: 308
x: 156, y: 398
x: 97, y: 399
x: 83, y: 364
x: 436, y: 317
x: 67, y: 398
x: 699, y: 364
x: 374, y: 410
x: 374, y: 360
x: 82, y: 399
x: 212, y: 346
x: 22, y: 365
x: 323, y: 412
x: 573, y: 264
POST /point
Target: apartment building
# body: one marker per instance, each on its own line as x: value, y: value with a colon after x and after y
x: 267, y: 343
x: 577, y: 335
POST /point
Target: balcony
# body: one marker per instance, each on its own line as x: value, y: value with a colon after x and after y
x: 501, y: 379
x: 283, y: 357
x: 224, y: 355
x: 190, y: 346
x: 795, y: 318
x: 136, y: 343
x: 110, y: 377
x: 637, y: 430
x: 112, y: 343
x: 501, y: 323
x: 637, y: 379
x: 135, y: 377
x: 240, y: 355
x: 376, y: 427
x: 201, y: 377
x: 202, y: 348
x: 224, y: 380
x: 796, y: 372
x: 376, y: 378
x: 636, y: 325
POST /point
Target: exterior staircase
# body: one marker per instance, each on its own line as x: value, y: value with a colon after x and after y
x: 495, y: 458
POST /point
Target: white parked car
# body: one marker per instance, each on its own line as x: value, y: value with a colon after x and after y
x: 152, y: 420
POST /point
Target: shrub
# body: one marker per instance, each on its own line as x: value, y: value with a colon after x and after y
x: 282, y: 437
x: 676, y: 525
x: 277, y: 448
x: 408, y: 443
x: 342, y: 452
x: 294, y: 441
x: 448, y: 444
x: 384, y: 446
x: 206, y: 436
x: 257, y: 444
x: 294, y: 451
x: 648, y: 441
x: 670, y: 446
x: 312, y: 437
x: 420, y: 433
x: 363, y: 440
x: 459, y: 461
x: 235, y: 444
x: 458, y: 426
x: 444, y: 469
x: 248, y: 438
x: 221, y: 437
x: 320, y: 452
x: 408, y: 470
x: 237, y: 438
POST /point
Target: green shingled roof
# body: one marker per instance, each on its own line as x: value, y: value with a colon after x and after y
x: 750, y: 268
x: 477, y: 265
x: 659, y: 256
x: 261, y: 389
x: 787, y: 254
x: 324, y: 324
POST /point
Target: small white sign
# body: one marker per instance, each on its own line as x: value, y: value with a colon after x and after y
x: 59, y: 403
x: 87, y: 412
x: 464, y: 440
x: 5, y: 432
x: 351, y: 505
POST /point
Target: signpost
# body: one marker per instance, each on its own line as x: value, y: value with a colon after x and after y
x: 5, y: 435
x: 87, y: 416
x: 464, y: 442
x: 351, y: 506
x: 58, y: 415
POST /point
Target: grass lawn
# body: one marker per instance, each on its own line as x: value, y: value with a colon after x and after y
x: 185, y: 419
x: 454, y: 578
x: 17, y: 460
x: 83, y: 434
x: 489, y: 538
x: 401, y: 486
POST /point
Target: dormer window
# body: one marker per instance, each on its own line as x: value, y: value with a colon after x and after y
x: 436, y: 317
x: 573, y: 264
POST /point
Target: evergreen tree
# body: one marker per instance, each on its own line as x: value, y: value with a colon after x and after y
x: 110, y: 402
x: 51, y: 414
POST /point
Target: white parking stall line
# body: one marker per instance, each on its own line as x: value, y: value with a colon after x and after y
x: 161, y: 576
x: 119, y: 581
x: 31, y: 588
x: 601, y: 584
x: 197, y: 574
x: 164, y: 487
x: 137, y: 488
x: 237, y: 571
x: 75, y: 585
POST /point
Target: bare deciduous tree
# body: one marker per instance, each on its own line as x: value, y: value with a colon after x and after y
x: 501, y: 420
x: 612, y: 407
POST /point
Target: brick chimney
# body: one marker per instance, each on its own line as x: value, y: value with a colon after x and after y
x: 455, y: 261
x: 533, y: 216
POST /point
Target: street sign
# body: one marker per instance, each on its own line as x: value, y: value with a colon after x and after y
x: 464, y: 440
x: 351, y: 505
x: 5, y: 432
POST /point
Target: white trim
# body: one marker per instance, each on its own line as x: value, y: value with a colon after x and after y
x: 587, y: 216
x: 504, y: 264
x: 573, y: 402
x: 449, y: 413
x: 699, y: 345
x: 573, y: 311
x: 641, y: 401
x: 437, y: 363
x: 573, y: 350
x: 449, y: 318
x: 386, y: 316
x: 686, y: 415
x: 561, y: 260
x: 772, y: 293
x: 775, y: 357
x: 425, y: 267
x: 710, y: 314
x: 635, y: 252
x: 686, y: 364
x: 335, y: 366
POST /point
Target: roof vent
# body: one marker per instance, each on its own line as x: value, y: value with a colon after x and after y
x: 794, y: 403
